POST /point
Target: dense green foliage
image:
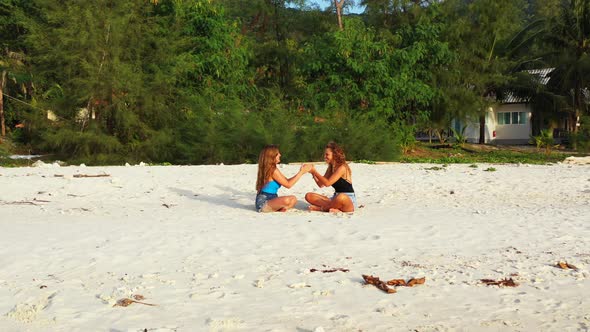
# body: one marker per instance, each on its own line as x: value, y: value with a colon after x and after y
x: 212, y: 81
x: 460, y: 155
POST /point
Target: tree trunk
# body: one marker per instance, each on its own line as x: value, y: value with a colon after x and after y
x: 339, y: 4
x: 2, y: 120
x: 482, y: 129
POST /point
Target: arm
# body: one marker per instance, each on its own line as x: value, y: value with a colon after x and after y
x: 288, y: 183
x: 327, y: 179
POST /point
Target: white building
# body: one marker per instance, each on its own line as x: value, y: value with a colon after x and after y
x: 507, y: 123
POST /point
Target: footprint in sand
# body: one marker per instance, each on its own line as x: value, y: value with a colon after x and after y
x: 223, y: 324
x: 28, y: 312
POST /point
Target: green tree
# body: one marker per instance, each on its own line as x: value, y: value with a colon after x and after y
x: 483, y: 34
x: 14, y: 76
x: 569, y: 36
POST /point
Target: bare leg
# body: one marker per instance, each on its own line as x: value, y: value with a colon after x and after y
x: 341, y: 203
x: 281, y: 204
x: 318, y: 202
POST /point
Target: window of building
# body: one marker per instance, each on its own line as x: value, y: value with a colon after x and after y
x: 506, y: 118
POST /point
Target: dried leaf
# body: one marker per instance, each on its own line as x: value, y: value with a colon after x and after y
x: 123, y: 302
x: 503, y: 282
x: 418, y: 281
x: 378, y: 283
x: 138, y: 297
x: 127, y: 302
x: 565, y: 266
x: 396, y: 282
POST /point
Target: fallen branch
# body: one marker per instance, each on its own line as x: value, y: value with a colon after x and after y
x: 19, y: 203
x: 330, y: 270
x: 83, y: 175
x: 91, y: 175
x: 500, y: 283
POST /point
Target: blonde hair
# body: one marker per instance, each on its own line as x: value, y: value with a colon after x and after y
x: 266, y: 165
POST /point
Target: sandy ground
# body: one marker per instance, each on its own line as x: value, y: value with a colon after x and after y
x: 188, y: 240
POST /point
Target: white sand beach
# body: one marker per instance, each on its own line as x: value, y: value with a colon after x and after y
x: 187, y: 239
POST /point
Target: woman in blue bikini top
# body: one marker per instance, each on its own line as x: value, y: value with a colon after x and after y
x: 270, y: 179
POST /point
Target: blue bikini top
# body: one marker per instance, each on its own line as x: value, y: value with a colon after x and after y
x: 271, y: 187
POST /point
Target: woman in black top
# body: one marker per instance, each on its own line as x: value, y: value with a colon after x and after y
x: 339, y: 176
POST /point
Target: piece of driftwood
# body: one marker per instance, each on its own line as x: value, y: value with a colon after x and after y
x: 500, y: 283
x: 330, y: 270
x: 19, y: 203
x: 83, y: 175
x: 378, y: 283
x: 565, y: 266
x: 91, y: 175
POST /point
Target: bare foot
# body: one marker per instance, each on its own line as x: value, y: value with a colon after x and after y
x: 314, y: 208
x: 335, y: 211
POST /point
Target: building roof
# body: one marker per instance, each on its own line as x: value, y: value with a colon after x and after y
x: 542, y: 76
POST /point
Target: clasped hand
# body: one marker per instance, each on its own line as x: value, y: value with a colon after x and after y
x: 306, y: 168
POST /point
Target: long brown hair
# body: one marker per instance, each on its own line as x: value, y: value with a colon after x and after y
x: 338, y: 157
x: 266, y: 165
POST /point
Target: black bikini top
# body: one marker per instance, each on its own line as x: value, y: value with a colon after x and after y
x: 343, y: 186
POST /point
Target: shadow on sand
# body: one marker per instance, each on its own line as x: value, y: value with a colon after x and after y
x: 230, y: 199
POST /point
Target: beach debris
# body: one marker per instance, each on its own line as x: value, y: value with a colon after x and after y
x: 500, y: 283
x: 83, y: 175
x: 330, y: 270
x: 34, y: 202
x: 299, y: 285
x: 91, y: 175
x: 138, y: 297
x: 166, y: 205
x: 410, y: 283
x: 371, y: 280
x: 419, y: 281
x: 410, y: 264
x: 125, y: 302
x: 396, y: 282
x: 565, y: 266
x: 42, y: 286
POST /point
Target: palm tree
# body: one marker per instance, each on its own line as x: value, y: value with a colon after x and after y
x: 10, y: 64
x: 570, y: 36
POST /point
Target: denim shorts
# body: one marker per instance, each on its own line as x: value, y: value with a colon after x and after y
x: 262, y: 198
x: 351, y: 195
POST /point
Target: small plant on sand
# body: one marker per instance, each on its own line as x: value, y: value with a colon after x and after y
x: 434, y: 168
x: 407, y: 137
x: 490, y: 169
x: 460, y: 137
x: 544, y: 140
x: 364, y: 161
x: 473, y: 166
